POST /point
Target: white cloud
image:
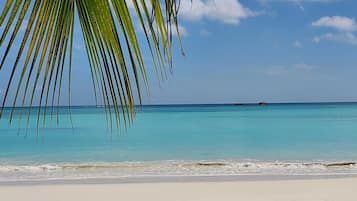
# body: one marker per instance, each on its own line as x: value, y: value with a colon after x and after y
x: 297, y: 44
x: 275, y: 70
x: 226, y: 11
x: 304, y: 67
x: 183, y: 31
x: 348, y: 38
x: 337, y: 22
x: 344, y: 25
x: 205, y: 32
x: 299, y: 1
x: 299, y: 68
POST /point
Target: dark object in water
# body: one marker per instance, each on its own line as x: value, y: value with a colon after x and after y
x: 211, y: 164
x: 262, y: 103
x: 240, y: 104
x: 340, y: 164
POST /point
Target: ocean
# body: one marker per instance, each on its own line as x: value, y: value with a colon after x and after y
x: 183, y: 140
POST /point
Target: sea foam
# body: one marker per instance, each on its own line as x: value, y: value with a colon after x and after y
x: 100, y: 170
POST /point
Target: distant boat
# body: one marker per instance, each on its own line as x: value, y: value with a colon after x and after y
x: 262, y: 103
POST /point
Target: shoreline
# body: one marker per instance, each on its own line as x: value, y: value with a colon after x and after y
x: 175, y: 179
x: 173, y: 171
x: 341, y: 189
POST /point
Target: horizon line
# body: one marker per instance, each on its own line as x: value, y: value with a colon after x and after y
x: 193, y: 104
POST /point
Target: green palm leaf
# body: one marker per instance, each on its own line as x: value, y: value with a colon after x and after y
x: 111, y: 42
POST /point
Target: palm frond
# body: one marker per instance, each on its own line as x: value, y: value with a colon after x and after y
x: 44, y: 59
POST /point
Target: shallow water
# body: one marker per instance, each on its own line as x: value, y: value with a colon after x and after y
x: 291, y: 135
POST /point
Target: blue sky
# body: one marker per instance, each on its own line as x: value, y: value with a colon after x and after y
x: 251, y: 51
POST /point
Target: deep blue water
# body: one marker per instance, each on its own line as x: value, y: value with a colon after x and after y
x: 284, y: 132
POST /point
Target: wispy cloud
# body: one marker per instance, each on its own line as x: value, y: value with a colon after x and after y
x: 337, y: 22
x: 183, y: 31
x: 299, y: 68
x: 344, y: 26
x: 205, y: 32
x: 225, y: 11
x: 299, y: 3
x: 297, y: 44
x: 348, y: 38
x: 304, y: 67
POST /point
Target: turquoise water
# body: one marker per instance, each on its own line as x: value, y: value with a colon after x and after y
x: 288, y: 133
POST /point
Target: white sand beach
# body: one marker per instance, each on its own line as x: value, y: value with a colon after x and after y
x: 286, y: 190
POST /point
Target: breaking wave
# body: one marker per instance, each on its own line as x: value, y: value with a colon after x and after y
x: 101, y: 170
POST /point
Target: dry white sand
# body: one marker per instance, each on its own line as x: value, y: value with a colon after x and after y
x: 294, y: 190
